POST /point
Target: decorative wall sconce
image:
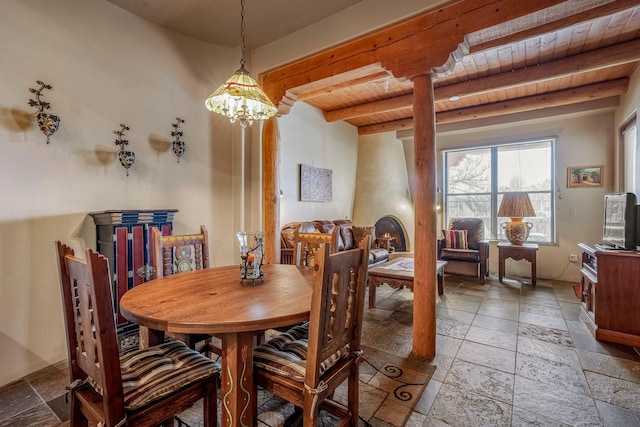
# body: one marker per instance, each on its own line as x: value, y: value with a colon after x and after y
x: 48, y: 123
x: 179, y: 146
x: 126, y: 157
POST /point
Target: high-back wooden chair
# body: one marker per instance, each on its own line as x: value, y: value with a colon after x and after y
x: 179, y: 254
x: 306, y: 245
x: 307, y: 377
x: 142, y: 388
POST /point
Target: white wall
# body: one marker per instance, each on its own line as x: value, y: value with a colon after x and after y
x: 106, y: 67
x: 581, y: 139
x: 306, y: 138
x: 382, y: 186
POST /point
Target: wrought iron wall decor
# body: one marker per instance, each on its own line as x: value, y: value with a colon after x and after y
x: 48, y: 123
x: 179, y: 146
x: 126, y: 157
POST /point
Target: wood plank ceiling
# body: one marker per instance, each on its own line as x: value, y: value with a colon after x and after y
x: 578, y: 55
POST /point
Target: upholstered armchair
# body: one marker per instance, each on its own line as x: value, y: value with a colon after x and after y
x: 464, y: 248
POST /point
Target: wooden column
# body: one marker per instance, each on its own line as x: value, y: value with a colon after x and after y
x: 271, y: 190
x: 424, y: 285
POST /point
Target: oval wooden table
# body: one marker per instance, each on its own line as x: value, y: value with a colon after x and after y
x: 213, y: 301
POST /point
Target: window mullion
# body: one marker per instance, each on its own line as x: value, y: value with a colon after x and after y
x: 494, y: 192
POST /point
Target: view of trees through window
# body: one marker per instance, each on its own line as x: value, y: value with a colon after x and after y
x: 476, y: 179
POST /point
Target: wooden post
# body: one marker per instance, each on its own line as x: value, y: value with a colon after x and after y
x: 424, y: 284
x: 271, y: 190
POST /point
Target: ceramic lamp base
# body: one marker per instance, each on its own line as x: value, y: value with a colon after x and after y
x: 516, y: 232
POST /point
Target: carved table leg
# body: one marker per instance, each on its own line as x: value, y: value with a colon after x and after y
x: 237, y: 379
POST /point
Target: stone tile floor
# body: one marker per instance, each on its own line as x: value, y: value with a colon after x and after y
x: 508, y: 354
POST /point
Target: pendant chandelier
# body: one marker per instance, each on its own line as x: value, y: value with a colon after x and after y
x: 241, y: 98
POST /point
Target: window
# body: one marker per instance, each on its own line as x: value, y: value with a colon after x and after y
x: 476, y: 179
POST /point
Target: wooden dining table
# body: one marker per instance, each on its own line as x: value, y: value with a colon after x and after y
x: 214, y: 301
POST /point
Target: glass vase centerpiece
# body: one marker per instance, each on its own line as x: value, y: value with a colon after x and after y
x: 251, y: 256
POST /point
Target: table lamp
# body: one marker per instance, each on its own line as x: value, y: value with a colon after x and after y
x: 516, y: 205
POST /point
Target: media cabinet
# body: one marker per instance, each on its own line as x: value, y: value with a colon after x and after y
x: 610, y: 294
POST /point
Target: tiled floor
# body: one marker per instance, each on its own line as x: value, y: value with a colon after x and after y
x: 507, y: 354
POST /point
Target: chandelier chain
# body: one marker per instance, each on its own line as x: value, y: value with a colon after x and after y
x: 242, y: 32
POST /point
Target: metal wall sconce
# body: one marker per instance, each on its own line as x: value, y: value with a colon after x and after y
x: 48, y: 123
x: 126, y: 157
x: 179, y: 146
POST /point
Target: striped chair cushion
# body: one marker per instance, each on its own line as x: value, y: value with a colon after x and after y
x: 286, y: 354
x: 152, y: 373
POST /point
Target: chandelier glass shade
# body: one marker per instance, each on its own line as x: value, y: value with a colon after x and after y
x: 240, y: 98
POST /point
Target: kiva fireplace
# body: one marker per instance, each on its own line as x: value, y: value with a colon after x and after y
x: 390, y: 227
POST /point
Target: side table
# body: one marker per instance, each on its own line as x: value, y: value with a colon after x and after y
x: 526, y: 251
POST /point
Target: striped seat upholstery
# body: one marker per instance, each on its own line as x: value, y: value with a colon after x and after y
x: 143, y: 388
x: 286, y: 354
x: 152, y: 373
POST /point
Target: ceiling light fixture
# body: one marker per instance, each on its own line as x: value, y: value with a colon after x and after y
x: 241, y: 98
x: 454, y: 98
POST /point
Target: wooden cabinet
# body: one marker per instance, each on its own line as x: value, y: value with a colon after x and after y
x: 124, y: 238
x: 610, y: 294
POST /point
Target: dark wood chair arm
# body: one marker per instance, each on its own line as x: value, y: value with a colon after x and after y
x: 440, y: 244
x: 484, y: 259
x: 484, y: 250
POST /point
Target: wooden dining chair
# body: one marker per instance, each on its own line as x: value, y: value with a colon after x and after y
x: 306, y: 245
x: 179, y: 254
x: 142, y: 388
x: 307, y: 363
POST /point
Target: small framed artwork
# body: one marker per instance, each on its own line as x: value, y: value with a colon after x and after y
x: 585, y: 176
x: 315, y: 184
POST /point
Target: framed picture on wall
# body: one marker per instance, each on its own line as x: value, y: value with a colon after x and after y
x: 585, y: 176
x: 315, y: 184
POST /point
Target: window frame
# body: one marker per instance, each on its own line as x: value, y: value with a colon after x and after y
x: 492, y: 229
x: 627, y: 127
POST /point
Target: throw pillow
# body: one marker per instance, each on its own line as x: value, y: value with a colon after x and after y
x: 455, y: 239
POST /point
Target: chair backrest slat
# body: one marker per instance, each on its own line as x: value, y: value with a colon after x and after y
x: 337, y: 305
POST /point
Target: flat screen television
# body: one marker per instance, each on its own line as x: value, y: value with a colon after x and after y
x: 619, y: 230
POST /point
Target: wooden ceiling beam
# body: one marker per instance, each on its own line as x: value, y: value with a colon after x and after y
x: 394, y: 125
x: 587, y: 15
x: 302, y: 95
x: 623, y: 53
x: 619, y: 54
x: 537, y: 102
x: 564, y: 97
x: 408, y: 48
x: 376, y: 107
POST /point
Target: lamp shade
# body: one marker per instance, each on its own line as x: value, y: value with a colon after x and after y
x: 241, y: 99
x: 516, y: 205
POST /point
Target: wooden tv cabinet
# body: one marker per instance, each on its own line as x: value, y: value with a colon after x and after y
x: 610, y: 294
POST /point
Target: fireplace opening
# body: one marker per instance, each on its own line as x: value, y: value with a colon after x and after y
x: 389, y: 227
